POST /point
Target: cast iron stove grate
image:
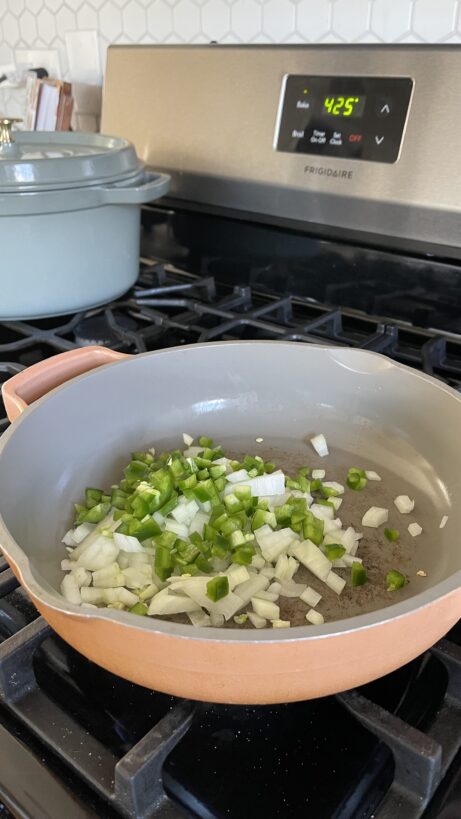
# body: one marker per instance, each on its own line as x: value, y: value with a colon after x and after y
x: 95, y: 745
x: 170, y: 307
x: 75, y: 740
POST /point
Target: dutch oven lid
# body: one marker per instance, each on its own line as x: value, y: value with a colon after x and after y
x: 47, y: 160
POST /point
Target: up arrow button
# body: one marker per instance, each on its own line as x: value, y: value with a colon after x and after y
x: 385, y: 109
x: 379, y: 139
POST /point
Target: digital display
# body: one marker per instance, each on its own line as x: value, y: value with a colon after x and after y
x: 341, y: 106
x: 346, y: 117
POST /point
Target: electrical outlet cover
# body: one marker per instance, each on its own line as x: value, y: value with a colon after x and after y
x: 83, y: 55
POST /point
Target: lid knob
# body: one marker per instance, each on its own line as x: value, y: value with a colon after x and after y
x: 6, y: 123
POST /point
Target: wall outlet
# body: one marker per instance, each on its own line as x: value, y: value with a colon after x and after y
x: 39, y: 58
x: 83, y: 55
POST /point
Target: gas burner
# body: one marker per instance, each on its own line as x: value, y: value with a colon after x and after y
x: 101, y: 329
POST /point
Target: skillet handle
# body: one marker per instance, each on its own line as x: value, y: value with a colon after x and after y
x: 33, y: 382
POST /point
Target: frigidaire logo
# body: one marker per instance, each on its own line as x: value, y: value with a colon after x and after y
x: 335, y: 172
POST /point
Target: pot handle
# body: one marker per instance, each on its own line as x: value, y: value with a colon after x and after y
x: 33, y: 382
x: 153, y: 186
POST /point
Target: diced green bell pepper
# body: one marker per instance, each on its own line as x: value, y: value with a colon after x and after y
x: 217, y: 587
x: 358, y: 574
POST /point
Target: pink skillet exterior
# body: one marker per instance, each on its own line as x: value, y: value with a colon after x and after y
x: 25, y: 387
x: 254, y: 673
x: 224, y: 671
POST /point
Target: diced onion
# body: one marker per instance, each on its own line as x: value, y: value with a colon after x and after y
x: 188, y: 439
x: 443, y: 522
x: 313, y: 558
x: 273, y: 544
x: 267, y: 595
x: 335, y: 582
x: 375, y: 516
x: 318, y: 474
x: 82, y: 576
x: 320, y: 445
x: 372, y: 475
x: 291, y: 589
x: 265, y: 608
x: 315, y: 617
x: 280, y: 623
x: 331, y: 526
x: 67, y: 565
x: 336, y: 502
x: 337, y: 487
x: 404, y: 504
x: 349, y: 559
x: 193, y: 451
x: 137, y: 578
x: 148, y: 592
x: 258, y: 562
x: 310, y: 597
x: 91, y: 595
x: 179, y: 529
x: 251, y: 587
x: 237, y: 477
x: 70, y: 589
x: 285, y: 568
x: 256, y: 620
x: 166, y: 603
x: 123, y: 596
x: 199, y: 618
x: 127, y: 543
x: 69, y: 539
x: 415, y: 529
x: 322, y: 512
x: 108, y: 577
x: 267, y: 485
x: 102, y: 552
x: 237, y: 575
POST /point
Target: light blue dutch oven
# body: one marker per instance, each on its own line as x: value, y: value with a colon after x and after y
x: 69, y: 220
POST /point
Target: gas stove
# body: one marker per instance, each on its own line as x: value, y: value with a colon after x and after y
x: 309, y: 202
x: 92, y: 745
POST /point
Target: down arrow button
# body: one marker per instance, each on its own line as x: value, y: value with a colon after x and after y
x: 379, y: 139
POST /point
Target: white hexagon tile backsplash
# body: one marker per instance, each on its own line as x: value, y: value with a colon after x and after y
x: 50, y: 27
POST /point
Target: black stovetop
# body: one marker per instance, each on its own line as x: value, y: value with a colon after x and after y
x: 77, y: 741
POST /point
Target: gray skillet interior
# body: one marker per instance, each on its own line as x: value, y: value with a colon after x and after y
x: 374, y: 414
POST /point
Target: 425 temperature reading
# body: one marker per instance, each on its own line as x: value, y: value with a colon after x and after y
x: 343, y: 106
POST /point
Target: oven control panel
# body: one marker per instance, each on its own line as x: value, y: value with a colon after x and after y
x: 345, y: 117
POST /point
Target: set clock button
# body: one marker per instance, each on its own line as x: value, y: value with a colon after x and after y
x: 336, y: 138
